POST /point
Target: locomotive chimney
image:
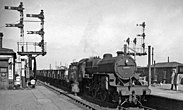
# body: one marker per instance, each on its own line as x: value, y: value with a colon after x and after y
x: 1, y: 41
x: 125, y: 49
x: 119, y: 53
x: 107, y: 55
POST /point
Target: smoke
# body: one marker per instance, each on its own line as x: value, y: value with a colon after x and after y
x: 89, y: 38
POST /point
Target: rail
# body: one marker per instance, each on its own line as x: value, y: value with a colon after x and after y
x: 83, y: 103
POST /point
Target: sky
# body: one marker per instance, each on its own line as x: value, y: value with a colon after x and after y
x: 76, y: 29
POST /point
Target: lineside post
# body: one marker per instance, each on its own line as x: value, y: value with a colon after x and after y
x: 149, y: 64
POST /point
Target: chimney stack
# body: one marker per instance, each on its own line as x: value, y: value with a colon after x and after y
x: 168, y: 59
x: 1, y: 41
x: 125, y: 49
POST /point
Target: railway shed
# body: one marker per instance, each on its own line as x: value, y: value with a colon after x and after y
x: 7, y: 66
x: 160, y: 72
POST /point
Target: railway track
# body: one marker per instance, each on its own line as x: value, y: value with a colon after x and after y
x: 85, y: 104
x: 93, y: 104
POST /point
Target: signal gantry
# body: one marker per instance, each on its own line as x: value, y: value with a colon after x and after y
x: 136, y: 51
x: 29, y: 48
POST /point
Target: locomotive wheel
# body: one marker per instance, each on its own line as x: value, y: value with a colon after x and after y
x: 94, y: 89
x: 93, y: 93
x: 103, y: 95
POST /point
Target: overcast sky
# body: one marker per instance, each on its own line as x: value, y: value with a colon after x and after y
x: 75, y: 29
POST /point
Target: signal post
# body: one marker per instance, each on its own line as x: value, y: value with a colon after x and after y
x: 25, y: 48
x: 142, y: 52
x: 135, y: 52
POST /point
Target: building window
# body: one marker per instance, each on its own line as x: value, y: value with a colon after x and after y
x: 181, y: 69
x: 3, y: 70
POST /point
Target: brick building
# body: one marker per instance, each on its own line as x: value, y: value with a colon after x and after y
x: 7, y: 66
x: 160, y: 72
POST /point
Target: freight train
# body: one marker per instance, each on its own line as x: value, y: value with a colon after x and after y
x: 109, y: 79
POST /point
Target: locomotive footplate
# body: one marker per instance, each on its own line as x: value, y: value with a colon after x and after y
x: 132, y: 97
x: 139, y: 90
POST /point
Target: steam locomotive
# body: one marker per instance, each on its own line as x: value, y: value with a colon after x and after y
x: 109, y: 79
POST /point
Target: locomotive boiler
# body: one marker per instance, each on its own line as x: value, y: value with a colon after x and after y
x: 111, y: 79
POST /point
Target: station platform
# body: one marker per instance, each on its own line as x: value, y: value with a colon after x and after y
x: 39, y: 98
x: 165, y: 91
x: 163, y: 98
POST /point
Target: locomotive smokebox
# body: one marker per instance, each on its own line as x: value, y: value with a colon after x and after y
x: 125, y: 67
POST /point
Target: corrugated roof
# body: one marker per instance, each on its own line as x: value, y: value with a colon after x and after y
x: 5, y: 51
x: 166, y: 64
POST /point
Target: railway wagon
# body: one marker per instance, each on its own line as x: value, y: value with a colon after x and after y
x: 57, y: 78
